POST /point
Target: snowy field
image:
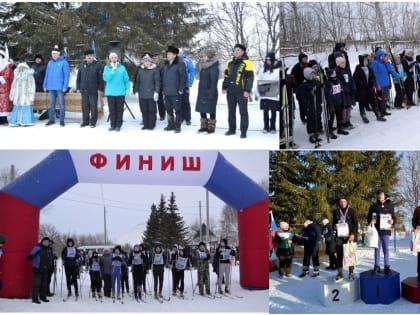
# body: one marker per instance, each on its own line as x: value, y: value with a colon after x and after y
x: 300, y: 295
x: 132, y: 137
x: 399, y: 132
x: 248, y: 301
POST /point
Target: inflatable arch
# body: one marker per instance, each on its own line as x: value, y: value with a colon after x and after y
x: 22, y: 200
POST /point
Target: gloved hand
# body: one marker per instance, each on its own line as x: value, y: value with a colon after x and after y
x: 155, y: 96
x: 30, y: 257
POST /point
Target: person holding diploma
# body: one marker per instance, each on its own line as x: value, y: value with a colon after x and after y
x: 345, y: 224
x: 381, y: 214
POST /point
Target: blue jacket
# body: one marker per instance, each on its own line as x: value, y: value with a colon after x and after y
x: 57, y: 75
x: 190, y: 69
x: 381, y: 69
x: 35, y: 255
x: 117, y: 82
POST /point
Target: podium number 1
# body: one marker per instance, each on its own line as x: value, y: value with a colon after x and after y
x: 335, y: 298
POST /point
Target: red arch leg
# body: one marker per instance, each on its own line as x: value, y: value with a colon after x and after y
x: 253, y: 245
x: 19, y: 223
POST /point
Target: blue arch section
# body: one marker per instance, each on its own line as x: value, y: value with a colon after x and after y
x: 46, y: 181
x: 232, y: 186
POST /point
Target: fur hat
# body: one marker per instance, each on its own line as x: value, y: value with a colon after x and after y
x: 240, y: 46
x: 172, y: 49
x: 39, y: 56
x: 340, y: 60
x: 307, y: 72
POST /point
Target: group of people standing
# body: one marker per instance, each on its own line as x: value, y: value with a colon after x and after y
x: 336, y: 89
x: 163, y: 88
x: 343, y: 230
x: 109, y: 272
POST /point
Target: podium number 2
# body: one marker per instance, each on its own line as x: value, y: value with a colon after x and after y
x: 335, y: 298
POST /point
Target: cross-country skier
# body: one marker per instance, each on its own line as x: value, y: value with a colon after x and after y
x: 106, y: 268
x: 117, y: 261
x: 178, y: 261
x: 124, y: 273
x: 137, y: 262
x: 158, y: 270
x: 222, y: 255
x: 70, y: 258
x: 298, y: 79
x: 95, y: 275
x: 41, y: 262
x: 203, y: 270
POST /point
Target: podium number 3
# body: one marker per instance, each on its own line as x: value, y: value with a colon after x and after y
x: 336, y: 293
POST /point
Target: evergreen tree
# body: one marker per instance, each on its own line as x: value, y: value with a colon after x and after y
x: 176, y: 231
x: 151, y: 235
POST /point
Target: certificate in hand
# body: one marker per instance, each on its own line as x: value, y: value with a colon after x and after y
x: 384, y: 222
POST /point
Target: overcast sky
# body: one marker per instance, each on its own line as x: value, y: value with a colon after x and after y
x: 80, y: 209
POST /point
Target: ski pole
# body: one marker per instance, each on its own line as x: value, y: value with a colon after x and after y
x: 192, y: 282
x: 62, y: 271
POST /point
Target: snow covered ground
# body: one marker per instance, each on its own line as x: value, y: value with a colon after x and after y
x: 300, y: 295
x: 132, y: 137
x: 250, y: 302
x: 399, y: 132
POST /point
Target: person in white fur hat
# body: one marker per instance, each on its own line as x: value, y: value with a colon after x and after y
x: 6, y: 78
x: 283, y: 239
x: 22, y: 94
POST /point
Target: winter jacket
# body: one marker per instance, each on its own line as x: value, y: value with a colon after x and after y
x: 313, y: 234
x: 329, y: 237
x: 222, y: 254
x: 381, y: 69
x: 89, y: 78
x: 94, y: 264
x: 39, y: 75
x: 23, y: 86
x: 386, y: 208
x: 70, y: 256
x: 297, y: 75
x: 174, y: 76
x: 284, y: 246
x: 57, y: 75
x: 106, y: 263
x: 348, y: 86
x: 348, y: 215
x: 399, y: 70
x: 117, y: 82
x: 41, y: 257
x: 207, y: 87
x: 311, y: 104
x: 136, y: 258
x: 189, y: 66
x: 415, y: 221
x: 146, y: 81
x: 239, y: 76
x: 333, y: 92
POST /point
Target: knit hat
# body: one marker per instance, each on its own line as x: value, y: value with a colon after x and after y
x: 340, y: 60
x: 307, y: 72
x: 113, y: 53
x: 147, y: 57
x: 240, y: 46
x: 89, y: 52
x: 172, y: 49
x: 301, y: 56
x: 56, y: 49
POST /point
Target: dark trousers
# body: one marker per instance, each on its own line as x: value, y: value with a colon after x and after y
x: 95, y: 281
x: 90, y: 108
x: 124, y: 280
x: 173, y: 108
x: 138, y: 275
x: 186, y: 106
x: 177, y: 280
x: 399, y: 96
x: 107, y: 285
x: 242, y: 102
x: 71, y: 278
x: 148, y: 111
x: 39, y: 285
x: 158, y: 278
x: 161, y: 106
x: 409, y: 90
x: 307, y: 255
x: 270, y: 123
x: 116, y: 110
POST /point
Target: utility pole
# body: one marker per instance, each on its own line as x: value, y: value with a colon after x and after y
x: 201, y: 228
x: 208, y: 218
x: 103, y: 202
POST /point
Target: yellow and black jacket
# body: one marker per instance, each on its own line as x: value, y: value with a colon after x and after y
x: 239, y: 75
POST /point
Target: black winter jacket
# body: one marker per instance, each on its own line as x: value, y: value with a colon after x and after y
x: 89, y: 78
x: 146, y: 81
x: 174, y: 77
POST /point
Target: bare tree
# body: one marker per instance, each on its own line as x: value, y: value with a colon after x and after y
x: 229, y: 224
x: 270, y: 13
x: 410, y: 180
x: 8, y: 175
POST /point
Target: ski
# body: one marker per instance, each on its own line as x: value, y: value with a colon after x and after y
x: 209, y: 296
x: 140, y: 299
x: 160, y: 300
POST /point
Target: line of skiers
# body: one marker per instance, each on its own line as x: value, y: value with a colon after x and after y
x: 110, y: 271
x: 343, y: 230
x: 336, y: 89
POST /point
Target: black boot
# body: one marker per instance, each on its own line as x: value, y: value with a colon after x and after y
x: 379, y: 116
x: 387, y: 269
x: 339, y: 276
x: 351, y: 273
x: 304, y: 273
x: 376, y: 270
x: 364, y: 117
x: 315, y: 273
x: 341, y: 130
